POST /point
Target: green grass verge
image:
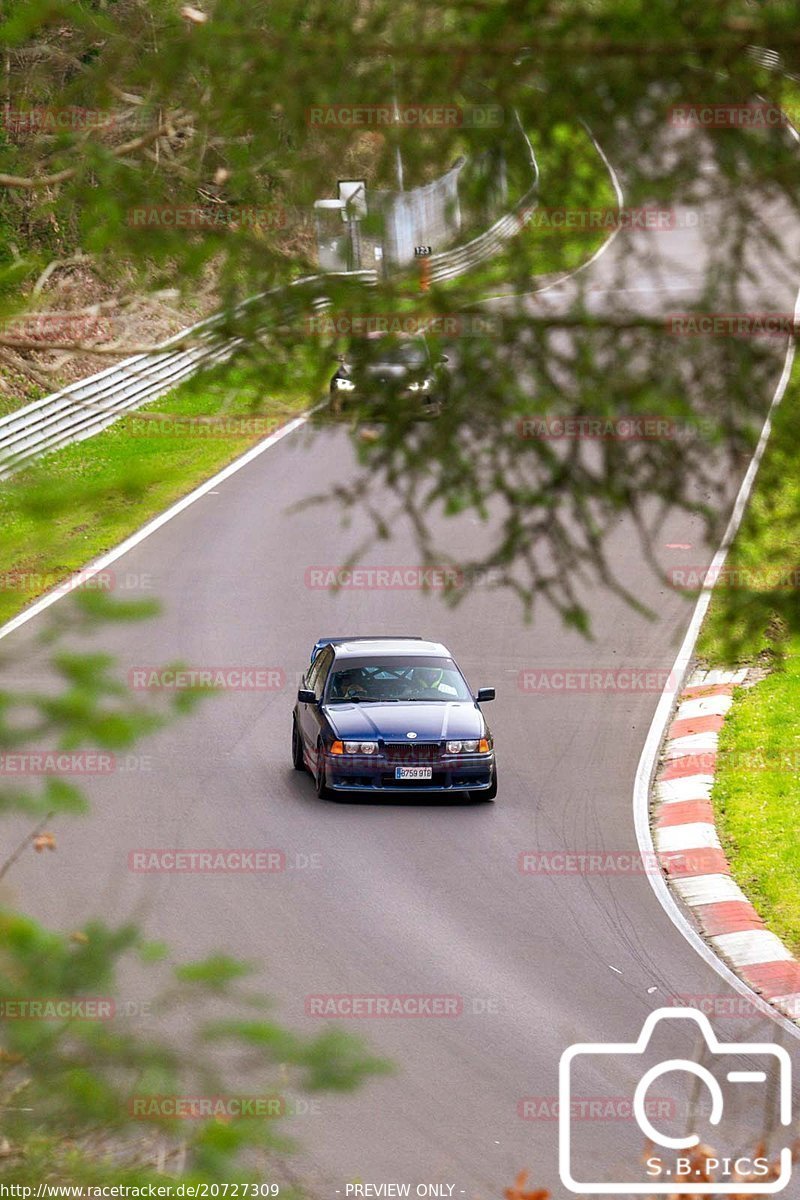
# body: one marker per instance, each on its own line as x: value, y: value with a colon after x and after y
x: 754, y: 614
x: 81, y: 501
x: 754, y: 619
x: 573, y: 177
x: 756, y: 797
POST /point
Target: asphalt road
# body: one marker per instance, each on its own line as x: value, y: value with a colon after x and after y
x: 401, y: 898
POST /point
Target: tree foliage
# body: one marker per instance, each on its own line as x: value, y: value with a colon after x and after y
x: 89, y: 1085
x: 210, y: 106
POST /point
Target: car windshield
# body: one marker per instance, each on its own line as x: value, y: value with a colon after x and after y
x: 412, y: 354
x: 405, y: 354
x: 383, y: 680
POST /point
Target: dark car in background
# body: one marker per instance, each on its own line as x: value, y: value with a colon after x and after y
x: 388, y: 370
x: 391, y: 715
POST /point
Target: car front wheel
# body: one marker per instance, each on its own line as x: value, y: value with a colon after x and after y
x: 335, y: 404
x: 492, y: 792
x: 319, y: 778
x: 298, y: 761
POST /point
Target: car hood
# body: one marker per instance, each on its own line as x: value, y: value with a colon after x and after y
x: 394, y: 721
x: 391, y: 373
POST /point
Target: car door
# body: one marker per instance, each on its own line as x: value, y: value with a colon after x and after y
x: 321, y: 678
x: 310, y: 714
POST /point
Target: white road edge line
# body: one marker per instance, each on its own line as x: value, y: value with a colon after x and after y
x: 101, y: 563
x: 615, y: 183
x: 649, y: 756
x: 645, y: 771
x: 105, y: 560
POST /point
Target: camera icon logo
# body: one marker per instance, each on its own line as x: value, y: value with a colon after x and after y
x: 735, y: 1175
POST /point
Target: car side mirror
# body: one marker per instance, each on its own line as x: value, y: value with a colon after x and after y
x: 485, y: 694
x: 306, y: 696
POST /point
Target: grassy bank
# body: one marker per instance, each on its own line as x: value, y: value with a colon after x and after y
x: 119, y: 479
x: 754, y: 619
x: 574, y: 181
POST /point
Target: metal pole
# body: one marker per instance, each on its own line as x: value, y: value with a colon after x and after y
x: 398, y: 155
x: 355, y: 244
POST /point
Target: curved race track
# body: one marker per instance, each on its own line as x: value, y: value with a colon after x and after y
x: 403, y: 898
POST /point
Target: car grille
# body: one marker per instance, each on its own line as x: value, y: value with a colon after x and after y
x: 414, y: 785
x: 412, y: 753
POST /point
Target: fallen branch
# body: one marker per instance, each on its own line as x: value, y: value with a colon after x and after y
x: 33, y: 182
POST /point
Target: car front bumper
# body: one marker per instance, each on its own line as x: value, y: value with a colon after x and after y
x: 429, y: 403
x: 473, y: 774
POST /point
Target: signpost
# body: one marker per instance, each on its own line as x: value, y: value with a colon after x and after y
x: 423, y: 254
x: 353, y: 199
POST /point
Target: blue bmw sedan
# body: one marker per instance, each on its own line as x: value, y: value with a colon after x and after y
x: 391, y: 715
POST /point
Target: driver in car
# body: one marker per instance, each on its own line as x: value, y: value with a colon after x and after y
x: 428, y: 679
x: 350, y: 685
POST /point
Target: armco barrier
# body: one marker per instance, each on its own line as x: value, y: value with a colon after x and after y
x: 90, y: 405
x: 452, y: 263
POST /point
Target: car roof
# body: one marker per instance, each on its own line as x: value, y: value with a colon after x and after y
x: 393, y: 336
x: 408, y: 647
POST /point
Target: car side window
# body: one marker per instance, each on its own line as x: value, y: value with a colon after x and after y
x: 321, y: 674
x: 311, y: 674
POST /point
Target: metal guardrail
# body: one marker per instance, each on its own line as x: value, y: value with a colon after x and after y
x: 771, y: 60
x: 452, y: 263
x: 92, y: 404
x: 85, y: 408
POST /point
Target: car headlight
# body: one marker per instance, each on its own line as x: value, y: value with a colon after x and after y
x: 424, y: 385
x: 343, y: 385
x: 472, y: 746
x: 360, y: 747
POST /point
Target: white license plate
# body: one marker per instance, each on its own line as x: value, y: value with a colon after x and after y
x: 413, y: 772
